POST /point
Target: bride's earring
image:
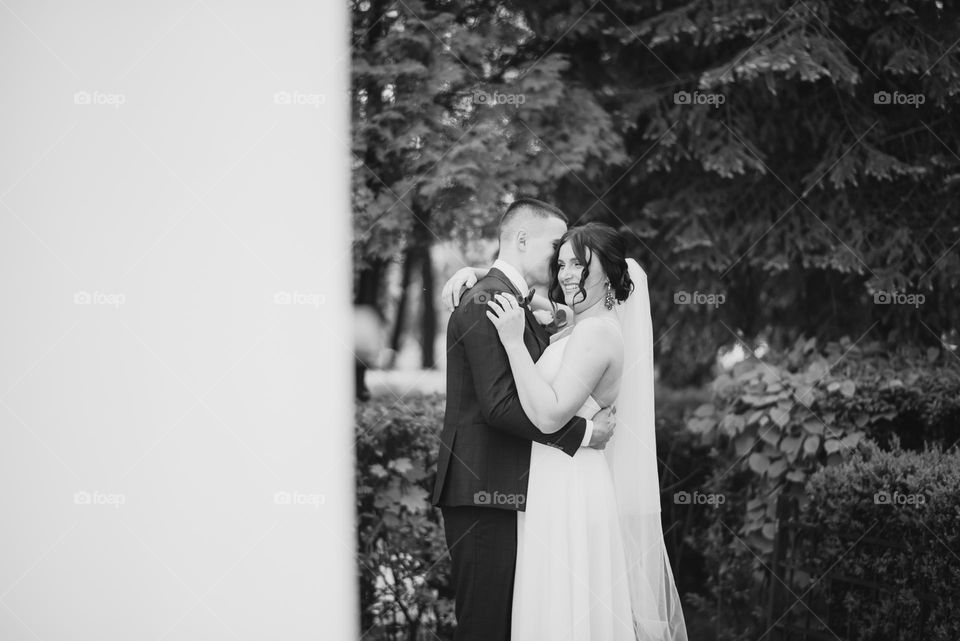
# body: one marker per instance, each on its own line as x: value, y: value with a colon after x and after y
x: 609, y: 301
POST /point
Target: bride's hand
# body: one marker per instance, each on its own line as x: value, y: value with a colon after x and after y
x: 508, y: 317
x: 465, y: 278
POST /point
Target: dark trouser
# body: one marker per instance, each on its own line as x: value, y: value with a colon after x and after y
x: 483, y: 546
x: 360, y: 382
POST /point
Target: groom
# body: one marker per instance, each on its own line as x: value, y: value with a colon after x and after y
x: 484, y: 459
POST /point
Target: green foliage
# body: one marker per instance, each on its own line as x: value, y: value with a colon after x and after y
x: 732, y: 599
x: 909, y: 394
x: 446, y: 122
x: 799, y: 190
x: 890, y: 518
x: 685, y: 465
x: 718, y: 576
x: 402, y: 552
x: 782, y: 418
x: 776, y: 422
x: 767, y: 417
x: 787, y: 181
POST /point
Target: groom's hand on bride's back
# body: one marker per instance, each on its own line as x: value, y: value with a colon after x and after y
x: 604, y: 422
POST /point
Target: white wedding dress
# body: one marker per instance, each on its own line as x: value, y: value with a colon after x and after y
x: 592, y: 564
x: 571, y: 582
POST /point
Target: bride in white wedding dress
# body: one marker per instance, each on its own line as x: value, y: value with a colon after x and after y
x: 591, y: 560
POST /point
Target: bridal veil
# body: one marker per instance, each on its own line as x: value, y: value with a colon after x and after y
x: 632, y: 458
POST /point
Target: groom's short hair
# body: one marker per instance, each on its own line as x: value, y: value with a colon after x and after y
x: 521, y: 208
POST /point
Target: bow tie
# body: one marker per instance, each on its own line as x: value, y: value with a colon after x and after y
x: 525, y: 302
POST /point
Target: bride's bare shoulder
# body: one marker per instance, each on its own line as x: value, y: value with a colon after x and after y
x: 596, y: 333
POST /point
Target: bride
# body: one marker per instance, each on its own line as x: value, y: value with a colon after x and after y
x: 591, y: 560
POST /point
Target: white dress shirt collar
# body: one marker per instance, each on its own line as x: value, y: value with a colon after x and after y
x: 513, y: 274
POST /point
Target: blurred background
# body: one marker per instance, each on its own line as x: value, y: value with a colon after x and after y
x: 787, y: 174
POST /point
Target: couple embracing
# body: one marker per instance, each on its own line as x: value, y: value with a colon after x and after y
x: 547, y: 471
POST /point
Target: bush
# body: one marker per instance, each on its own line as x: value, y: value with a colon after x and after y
x: 785, y: 417
x: 402, y: 553
x: 685, y: 464
x: 909, y: 394
x: 731, y: 598
x: 893, y: 519
x: 775, y: 422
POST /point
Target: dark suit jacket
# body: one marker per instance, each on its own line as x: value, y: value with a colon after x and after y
x: 485, y: 444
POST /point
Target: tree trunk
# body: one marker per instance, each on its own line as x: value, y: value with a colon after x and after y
x: 409, y: 258
x: 429, y: 321
x: 368, y: 284
x: 423, y: 241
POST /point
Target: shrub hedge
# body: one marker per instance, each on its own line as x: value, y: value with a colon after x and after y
x: 886, y: 527
x: 775, y: 422
x: 402, y: 559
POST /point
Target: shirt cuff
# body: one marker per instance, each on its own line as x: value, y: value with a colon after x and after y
x: 587, y: 434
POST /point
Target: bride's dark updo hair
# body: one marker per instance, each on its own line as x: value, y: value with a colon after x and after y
x: 607, y: 245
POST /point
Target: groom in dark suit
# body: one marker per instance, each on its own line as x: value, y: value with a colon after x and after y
x: 484, y: 459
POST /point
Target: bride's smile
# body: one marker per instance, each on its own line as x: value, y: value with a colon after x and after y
x: 579, y: 293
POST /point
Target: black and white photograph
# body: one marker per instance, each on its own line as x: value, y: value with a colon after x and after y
x: 480, y: 320
x: 666, y: 296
